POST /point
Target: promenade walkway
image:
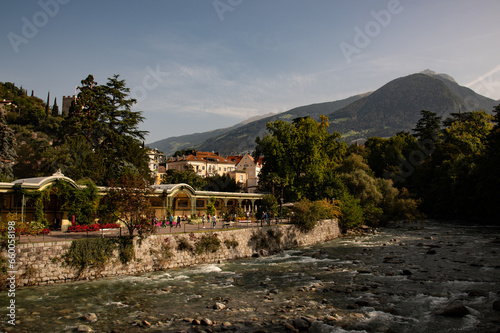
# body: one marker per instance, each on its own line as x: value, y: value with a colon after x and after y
x: 56, y: 236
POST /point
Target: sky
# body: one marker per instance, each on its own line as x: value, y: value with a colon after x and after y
x: 199, y: 65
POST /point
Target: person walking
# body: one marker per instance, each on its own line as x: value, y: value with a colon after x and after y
x: 214, y: 220
x: 171, y: 221
x: 203, y: 220
x: 178, y: 225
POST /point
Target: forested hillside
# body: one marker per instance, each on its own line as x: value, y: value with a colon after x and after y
x: 98, y: 140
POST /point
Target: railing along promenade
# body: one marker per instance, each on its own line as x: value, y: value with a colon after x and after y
x: 185, y: 227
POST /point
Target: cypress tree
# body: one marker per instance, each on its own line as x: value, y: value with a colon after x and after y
x: 47, y: 106
x: 55, y: 108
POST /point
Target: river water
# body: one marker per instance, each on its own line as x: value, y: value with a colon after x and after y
x: 401, y: 279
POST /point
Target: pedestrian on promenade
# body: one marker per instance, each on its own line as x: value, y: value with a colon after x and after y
x: 203, y: 220
x: 171, y: 221
x: 214, y: 220
x: 178, y: 222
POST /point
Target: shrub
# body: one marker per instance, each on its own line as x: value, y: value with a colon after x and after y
x: 207, y: 243
x: 89, y: 253
x: 352, y: 212
x: 126, y: 249
x: 231, y: 243
x: 307, y: 213
x: 166, y: 251
x: 183, y: 244
x: 266, y: 240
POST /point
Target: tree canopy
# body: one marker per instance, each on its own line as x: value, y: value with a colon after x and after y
x: 297, y: 157
x: 99, y: 139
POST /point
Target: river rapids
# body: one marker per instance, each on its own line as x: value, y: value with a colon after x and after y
x: 432, y: 276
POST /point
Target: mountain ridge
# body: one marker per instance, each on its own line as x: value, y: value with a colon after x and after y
x: 392, y: 108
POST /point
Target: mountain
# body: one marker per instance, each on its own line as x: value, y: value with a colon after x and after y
x: 170, y: 145
x: 396, y: 106
x: 390, y: 109
x: 242, y: 139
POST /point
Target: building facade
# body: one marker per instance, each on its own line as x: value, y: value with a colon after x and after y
x: 156, y: 160
x: 205, y: 164
x: 251, y: 167
x: 175, y: 199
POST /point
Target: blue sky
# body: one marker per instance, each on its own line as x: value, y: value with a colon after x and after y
x: 199, y: 65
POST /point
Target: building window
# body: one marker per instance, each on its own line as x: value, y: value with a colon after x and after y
x: 203, y: 168
x: 225, y: 169
x: 220, y: 168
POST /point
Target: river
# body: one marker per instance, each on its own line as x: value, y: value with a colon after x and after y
x: 432, y: 276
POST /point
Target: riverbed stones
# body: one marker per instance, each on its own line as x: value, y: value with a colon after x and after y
x: 84, y: 328
x: 453, y: 309
x: 90, y: 317
x: 219, y: 306
x: 301, y: 324
x: 206, y: 322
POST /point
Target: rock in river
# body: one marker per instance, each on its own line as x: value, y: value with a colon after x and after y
x: 453, y: 309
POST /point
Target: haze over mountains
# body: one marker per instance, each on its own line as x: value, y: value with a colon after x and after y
x: 390, y: 109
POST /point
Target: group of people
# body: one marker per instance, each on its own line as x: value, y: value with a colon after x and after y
x: 208, y: 219
x: 172, y: 221
x: 176, y: 222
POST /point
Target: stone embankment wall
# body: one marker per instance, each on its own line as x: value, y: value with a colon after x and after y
x: 43, y: 263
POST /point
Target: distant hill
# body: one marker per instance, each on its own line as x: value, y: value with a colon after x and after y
x: 390, y: 109
x: 396, y: 106
x: 170, y: 145
x: 242, y: 139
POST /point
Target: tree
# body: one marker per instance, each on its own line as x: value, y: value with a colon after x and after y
x: 428, y: 127
x: 297, y: 157
x: 352, y: 212
x: 307, y: 213
x: 102, y: 117
x: 385, y: 156
x: 448, y: 181
x: 55, y: 109
x: 47, y: 106
x: 189, y: 176
x: 211, y: 207
x: 129, y: 196
x: 268, y: 204
x: 487, y: 181
x: 80, y: 202
x: 221, y: 183
x: 470, y: 135
x: 8, y: 153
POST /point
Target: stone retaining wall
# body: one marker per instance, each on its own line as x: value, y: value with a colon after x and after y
x: 42, y: 263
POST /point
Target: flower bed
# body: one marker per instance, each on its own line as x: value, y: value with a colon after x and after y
x: 92, y: 227
x: 109, y: 226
